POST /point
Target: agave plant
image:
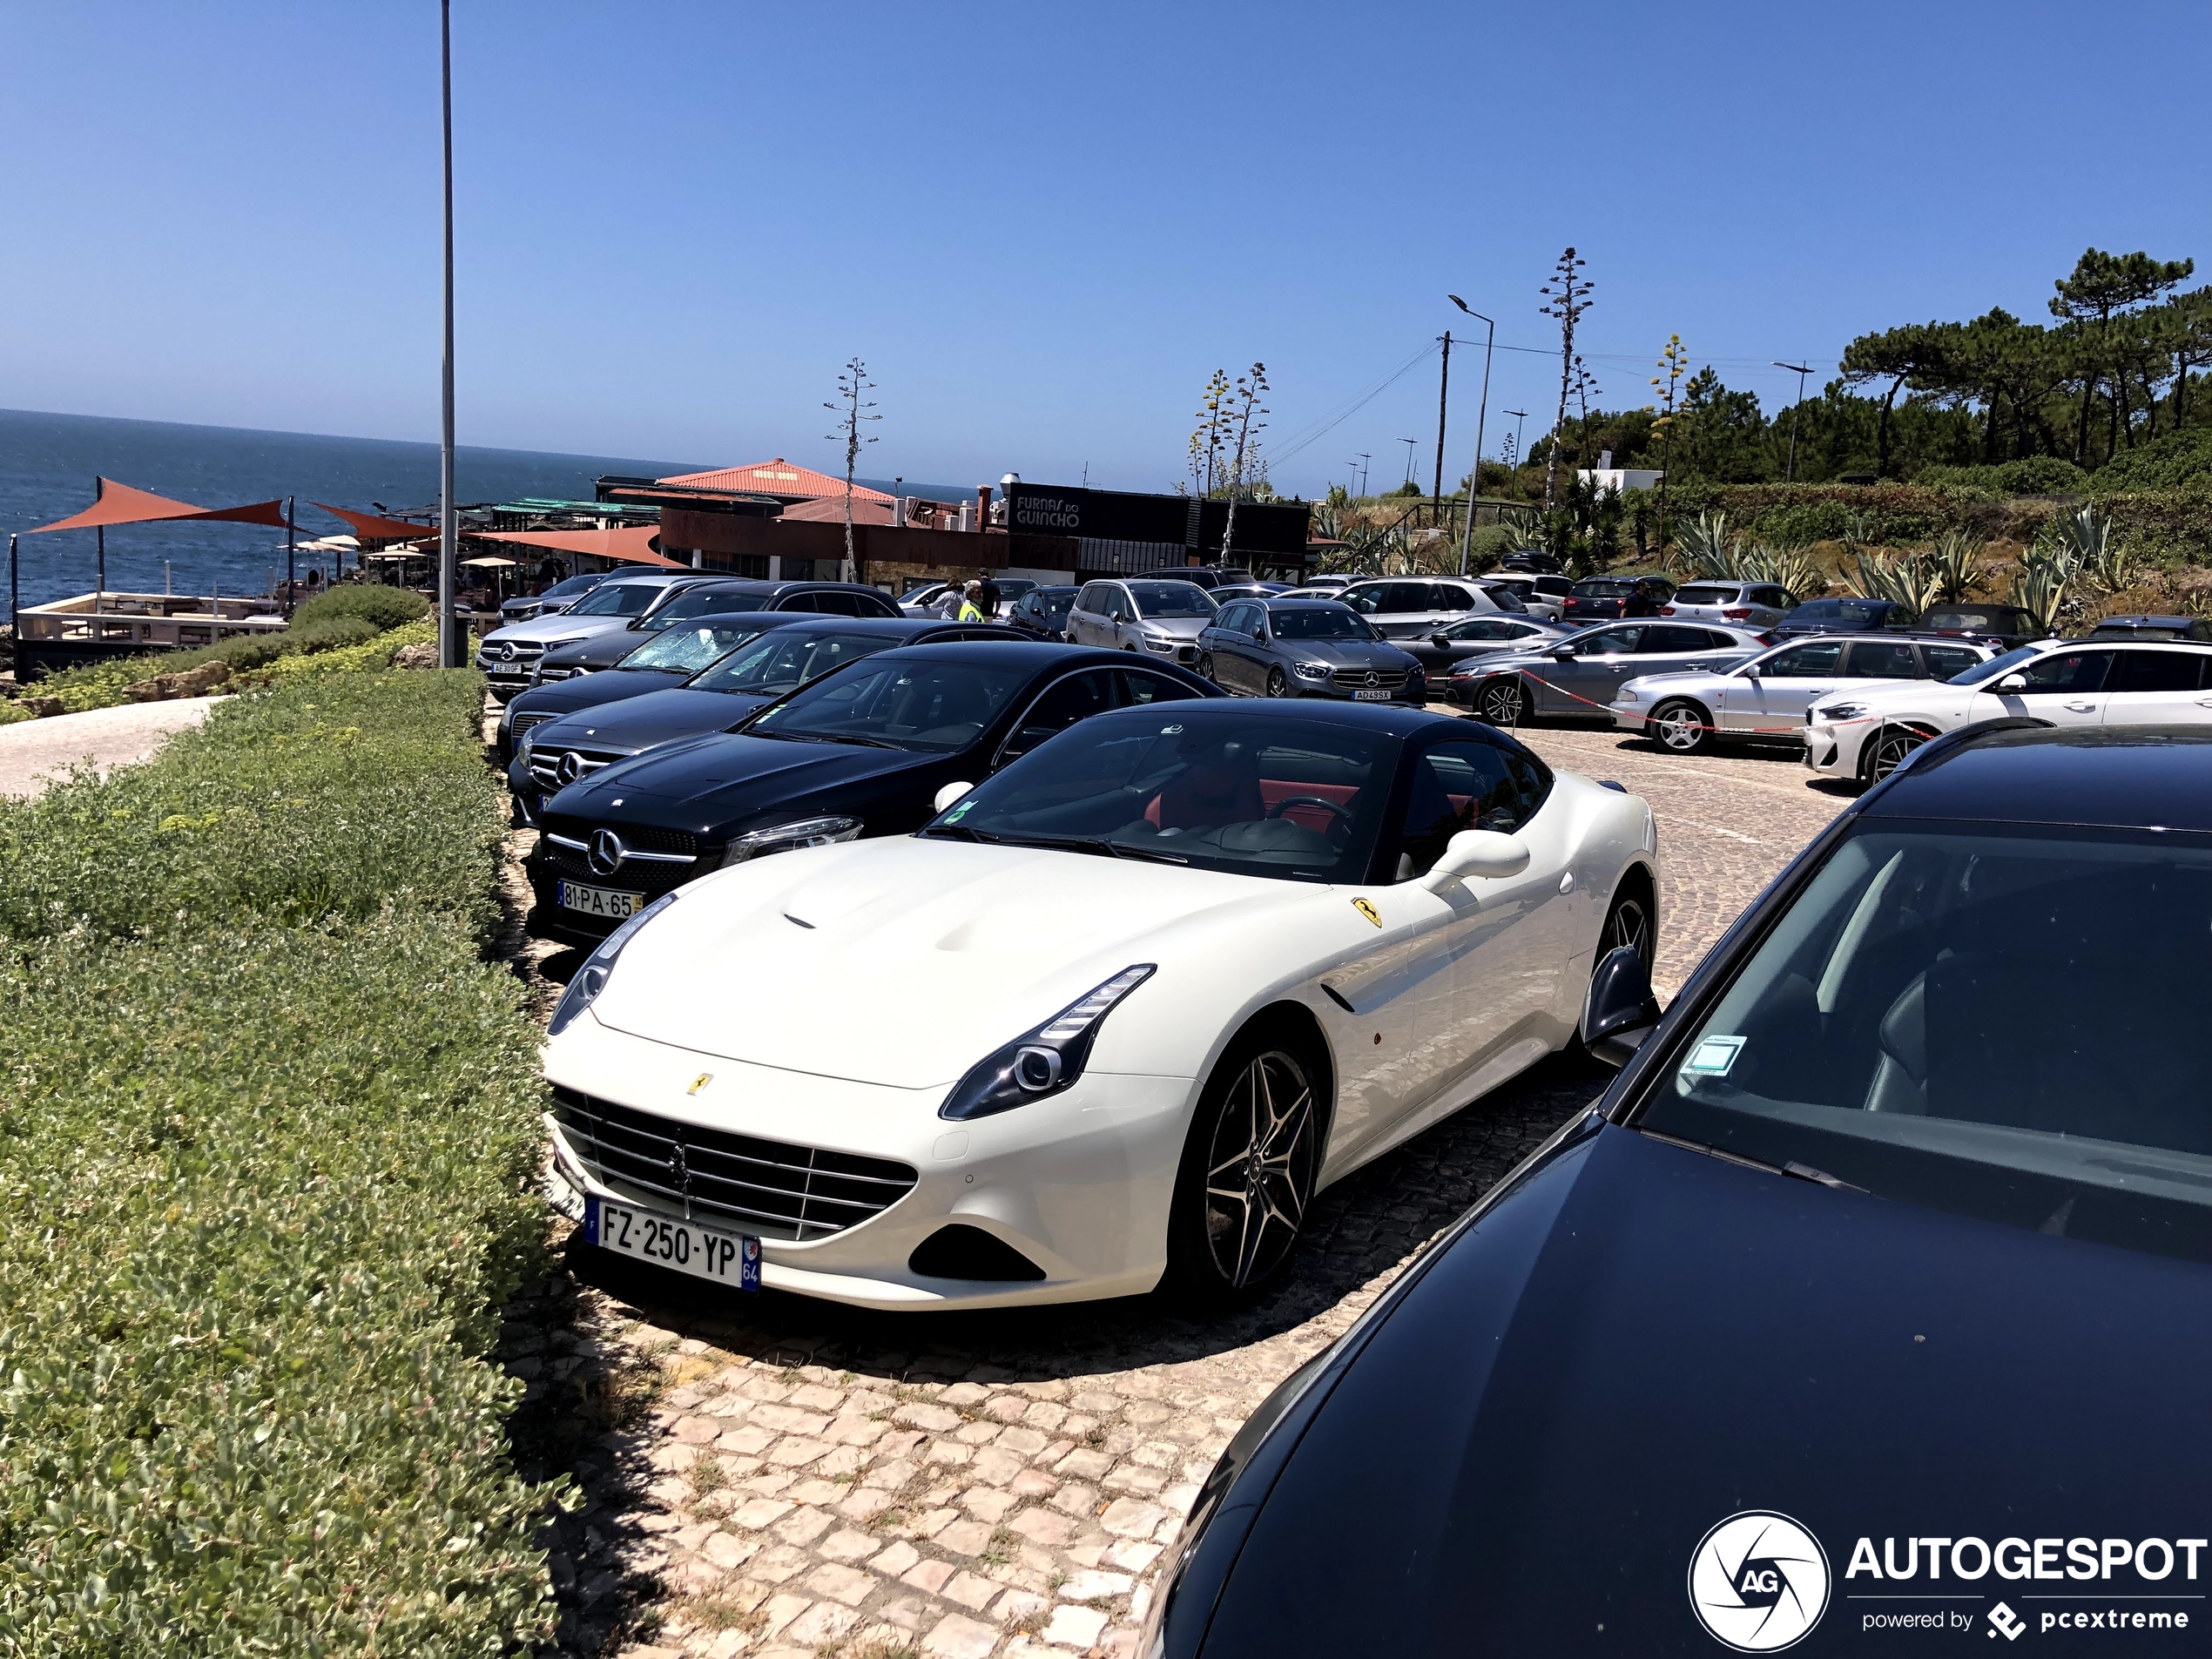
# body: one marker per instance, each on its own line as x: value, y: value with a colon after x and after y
x: 1706, y: 549
x: 1791, y: 568
x: 1524, y: 530
x: 2041, y: 583
x: 1957, y: 562
x: 2084, y: 540
x: 1911, y: 579
x: 1861, y: 530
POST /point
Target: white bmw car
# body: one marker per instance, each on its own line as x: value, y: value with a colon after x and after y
x: 1111, y: 1019
x: 1866, y: 735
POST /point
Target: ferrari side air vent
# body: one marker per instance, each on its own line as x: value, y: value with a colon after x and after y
x: 959, y: 1252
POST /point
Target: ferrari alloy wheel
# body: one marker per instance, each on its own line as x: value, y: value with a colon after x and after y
x: 1627, y: 923
x: 1500, y: 702
x: 1277, y: 685
x: 1681, y: 727
x: 1248, y: 1171
x: 1886, y: 750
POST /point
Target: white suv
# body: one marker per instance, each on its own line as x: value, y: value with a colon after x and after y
x: 1753, y: 605
x: 1406, y: 607
x: 1866, y: 735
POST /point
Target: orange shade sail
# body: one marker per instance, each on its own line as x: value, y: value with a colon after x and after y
x: 374, y: 527
x: 632, y: 545
x: 121, y: 504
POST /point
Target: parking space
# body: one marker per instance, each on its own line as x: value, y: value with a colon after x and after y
x: 772, y: 1476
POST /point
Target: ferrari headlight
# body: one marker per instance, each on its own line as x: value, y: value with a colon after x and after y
x: 599, y: 967
x: 1311, y: 670
x: 783, y: 838
x: 1045, y: 1060
x: 1840, y: 712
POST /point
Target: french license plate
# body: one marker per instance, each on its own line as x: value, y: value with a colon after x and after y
x: 599, y: 901
x: 1370, y: 697
x: 681, y: 1246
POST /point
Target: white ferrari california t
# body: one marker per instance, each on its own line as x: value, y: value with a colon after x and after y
x: 1108, y: 1021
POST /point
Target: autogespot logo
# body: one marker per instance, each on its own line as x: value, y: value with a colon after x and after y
x: 1758, y: 1581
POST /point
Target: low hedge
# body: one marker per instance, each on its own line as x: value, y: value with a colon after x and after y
x: 268, y: 1126
x: 380, y: 607
x: 329, y: 794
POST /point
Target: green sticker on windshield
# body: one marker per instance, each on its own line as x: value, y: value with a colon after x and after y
x: 954, y: 816
x: 1714, y: 1056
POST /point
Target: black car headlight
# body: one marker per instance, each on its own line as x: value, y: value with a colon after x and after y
x: 1046, y: 1059
x: 784, y: 838
x: 599, y: 967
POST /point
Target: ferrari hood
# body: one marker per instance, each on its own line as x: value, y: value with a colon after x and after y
x: 1642, y: 1341
x: 905, y: 961
x: 666, y: 711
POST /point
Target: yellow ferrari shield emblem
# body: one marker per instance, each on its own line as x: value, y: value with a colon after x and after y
x: 1368, y: 911
x: 699, y: 1083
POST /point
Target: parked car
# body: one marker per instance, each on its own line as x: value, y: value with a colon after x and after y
x: 1532, y: 563
x: 1305, y: 648
x: 1207, y: 577
x: 862, y: 750
x: 1132, y: 1001
x: 1578, y: 674
x: 1844, y: 616
x: 1443, y: 652
x: 1405, y: 607
x: 1334, y: 582
x: 1867, y: 735
x: 1764, y: 699
x: 1934, y: 1109
x: 2152, y: 628
x: 1503, y: 595
x: 655, y: 663
x: 508, y: 654
x: 1041, y: 613
x: 1540, y: 596
x: 1597, y: 598
x: 723, y: 596
x: 559, y: 597
x: 1161, y: 616
x: 718, y: 697
x: 2003, y: 626
x: 1753, y: 605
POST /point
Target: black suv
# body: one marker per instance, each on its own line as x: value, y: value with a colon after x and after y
x: 716, y: 599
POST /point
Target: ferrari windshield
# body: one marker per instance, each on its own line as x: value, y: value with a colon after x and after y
x: 1331, y: 622
x: 897, y: 702
x: 684, y: 651
x: 781, y: 659
x: 1215, y: 787
x: 1995, y: 1020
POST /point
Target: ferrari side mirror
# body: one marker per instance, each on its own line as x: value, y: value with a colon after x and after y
x: 1619, y: 1011
x: 1485, y: 853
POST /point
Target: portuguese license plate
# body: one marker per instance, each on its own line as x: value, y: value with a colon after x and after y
x: 599, y: 901
x: 1370, y: 697
x: 681, y: 1246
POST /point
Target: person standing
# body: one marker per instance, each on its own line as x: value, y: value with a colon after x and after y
x: 971, y: 604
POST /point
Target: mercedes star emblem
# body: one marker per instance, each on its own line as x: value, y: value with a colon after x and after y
x: 1373, y: 678
x: 569, y: 767
x: 606, y: 851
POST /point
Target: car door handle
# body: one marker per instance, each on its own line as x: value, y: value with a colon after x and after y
x: 2081, y: 708
x: 2204, y: 701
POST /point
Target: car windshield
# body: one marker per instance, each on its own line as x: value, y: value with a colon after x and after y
x: 1996, y: 618
x: 1995, y: 1020
x: 1707, y: 595
x: 1171, y: 599
x: 919, y: 590
x: 700, y: 602
x: 616, y: 599
x: 568, y: 585
x: 684, y: 651
x: 1603, y: 587
x: 1331, y: 622
x: 1995, y: 668
x: 1057, y: 601
x: 1216, y: 788
x: 902, y: 703
x: 784, y: 659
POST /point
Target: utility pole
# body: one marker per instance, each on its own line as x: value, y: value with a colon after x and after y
x: 1519, y: 415
x: 449, y: 642
x: 1790, y: 476
x: 1481, y: 419
x: 1443, y: 397
x: 1364, y: 460
x: 1412, y: 444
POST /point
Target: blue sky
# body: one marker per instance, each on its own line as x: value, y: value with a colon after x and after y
x: 1042, y: 225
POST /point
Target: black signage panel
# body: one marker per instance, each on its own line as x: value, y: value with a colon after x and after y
x: 1124, y: 516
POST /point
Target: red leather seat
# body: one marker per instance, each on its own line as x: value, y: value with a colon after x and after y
x: 1209, y: 795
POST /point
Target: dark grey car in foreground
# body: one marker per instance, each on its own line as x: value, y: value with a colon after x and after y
x: 1305, y: 648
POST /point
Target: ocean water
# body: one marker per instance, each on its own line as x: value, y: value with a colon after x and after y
x: 48, y: 463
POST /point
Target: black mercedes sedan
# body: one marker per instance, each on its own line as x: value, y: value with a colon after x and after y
x: 767, y: 655
x: 1872, y: 1301
x: 1269, y: 647
x: 721, y: 597
x: 863, y: 750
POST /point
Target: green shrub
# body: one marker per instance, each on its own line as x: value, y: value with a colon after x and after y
x: 2174, y: 461
x: 2034, y: 475
x: 354, y: 642
x: 263, y: 1189
x: 325, y: 795
x: 380, y: 607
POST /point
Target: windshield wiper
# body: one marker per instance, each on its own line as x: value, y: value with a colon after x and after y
x: 1794, y: 1169
x: 1093, y: 844
x: 825, y: 737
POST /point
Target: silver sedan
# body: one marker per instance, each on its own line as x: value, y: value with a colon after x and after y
x: 1578, y: 674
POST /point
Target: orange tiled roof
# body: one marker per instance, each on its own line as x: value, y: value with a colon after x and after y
x: 776, y: 477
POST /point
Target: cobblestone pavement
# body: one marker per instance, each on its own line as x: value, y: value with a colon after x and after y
x: 33, y: 753
x: 767, y: 1476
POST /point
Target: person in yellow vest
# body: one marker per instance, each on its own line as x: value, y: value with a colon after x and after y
x: 971, y: 604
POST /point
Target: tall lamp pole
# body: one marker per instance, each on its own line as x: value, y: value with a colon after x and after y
x: 1801, y: 371
x: 1482, y: 414
x: 449, y: 642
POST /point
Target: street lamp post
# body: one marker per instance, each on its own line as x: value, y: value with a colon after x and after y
x: 1789, y: 475
x: 1482, y: 413
x: 450, y: 643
